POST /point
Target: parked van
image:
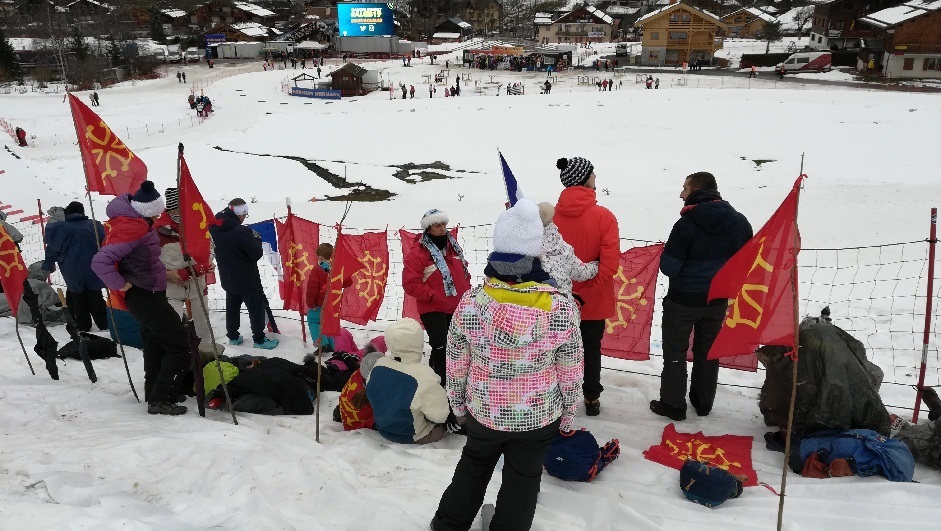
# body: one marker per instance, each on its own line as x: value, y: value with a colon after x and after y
x: 192, y: 55
x: 174, y: 54
x: 161, y: 54
x: 806, y: 62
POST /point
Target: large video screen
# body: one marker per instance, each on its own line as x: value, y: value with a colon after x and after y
x: 365, y: 20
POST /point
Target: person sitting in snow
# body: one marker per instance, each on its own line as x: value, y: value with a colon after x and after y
x: 558, y: 257
x: 409, y: 404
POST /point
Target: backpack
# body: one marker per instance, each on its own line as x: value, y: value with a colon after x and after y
x: 708, y: 485
x: 576, y: 456
x: 868, y: 452
x: 98, y: 348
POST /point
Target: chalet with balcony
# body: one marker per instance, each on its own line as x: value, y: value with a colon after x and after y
x: 486, y: 16
x: 582, y: 24
x: 746, y: 23
x: 678, y: 34
x: 910, y: 35
x: 216, y: 12
x: 835, y: 25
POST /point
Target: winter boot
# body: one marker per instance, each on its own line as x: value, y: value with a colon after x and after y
x: 267, y: 344
x: 237, y: 341
x: 165, y: 408
x: 931, y: 399
x: 672, y: 413
x: 592, y: 407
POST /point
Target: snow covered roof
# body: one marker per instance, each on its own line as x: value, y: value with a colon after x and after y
x: 894, y: 16
x: 93, y: 2
x: 670, y: 7
x: 600, y: 14
x: 254, y: 9
x: 754, y: 12
x: 173, y: 13
x: 446, y: 35
x: 460, y: 23
x: 541, y: 19
x: 621, y: 10
x: 252, y: 29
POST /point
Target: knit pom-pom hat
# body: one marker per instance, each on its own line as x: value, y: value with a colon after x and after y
x: 574, y: 171
x: 147, y: 201
x: 519, y: 230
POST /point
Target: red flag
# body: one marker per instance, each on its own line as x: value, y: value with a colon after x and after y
x: 627, y: 335
x: 12, y: 270
x: 195, y: 218
x: 728, y: 452
x: 345, y: 265
x: 362, y: 300
x: 410, y: 240
x: 760, y: 281
x: 111, y: 168
x: 297, y: 244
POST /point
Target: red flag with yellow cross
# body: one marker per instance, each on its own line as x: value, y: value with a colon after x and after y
x: 345, y: 265
x: 731, y: 453
x: 627, y: 334
x: 111, y: 168
x: 297, y: 244
x: 13, y: 270
x: 361, y: 301
x: 760, y: 281
x: 195, y: 218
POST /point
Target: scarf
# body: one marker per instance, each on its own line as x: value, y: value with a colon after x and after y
x: 699, y: 196
x: 516, y: 268
x: 437, y: 256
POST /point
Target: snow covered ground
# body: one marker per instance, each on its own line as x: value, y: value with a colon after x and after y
x: 80, y: 455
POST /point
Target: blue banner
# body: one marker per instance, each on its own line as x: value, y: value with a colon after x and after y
x: 213, y: 38
x: 324, y: 94
x: 365, y: 20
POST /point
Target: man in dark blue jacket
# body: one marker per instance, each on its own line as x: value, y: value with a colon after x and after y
x: 73, y: 243
x: 238, y: 250
x: 707, y: 234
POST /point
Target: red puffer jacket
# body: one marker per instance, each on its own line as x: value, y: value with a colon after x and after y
x: 592, y: 230
x: 429, y: 291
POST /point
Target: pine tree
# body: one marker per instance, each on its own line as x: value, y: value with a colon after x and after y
x: 77, y: 45
x: 157, y: 33
x: 9, y: 66
x: 115, y: 51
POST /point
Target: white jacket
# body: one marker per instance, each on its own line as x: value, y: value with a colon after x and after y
x: 559, y: 260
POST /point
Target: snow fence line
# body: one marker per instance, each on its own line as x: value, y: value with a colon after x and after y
x: 877, y: 293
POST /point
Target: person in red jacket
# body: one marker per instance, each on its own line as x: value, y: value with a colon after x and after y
x: 592, y: 231
x: 317, y: 292
x: 435, y: 273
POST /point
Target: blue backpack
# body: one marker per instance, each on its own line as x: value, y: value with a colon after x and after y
x: 867, y: 452
x: 708, y: 485
x: 576, y: 456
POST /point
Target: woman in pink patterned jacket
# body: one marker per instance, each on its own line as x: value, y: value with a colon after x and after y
x: 514, y: 375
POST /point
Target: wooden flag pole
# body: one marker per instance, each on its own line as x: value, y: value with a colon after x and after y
x: 16, y: 324
x: 794, y: 359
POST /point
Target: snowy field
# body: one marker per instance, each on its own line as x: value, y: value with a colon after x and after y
x: 76, y: 455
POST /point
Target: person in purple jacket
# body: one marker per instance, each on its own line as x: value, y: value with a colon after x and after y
x: 129, y: 262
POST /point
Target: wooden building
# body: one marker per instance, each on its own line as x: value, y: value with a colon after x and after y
x: 485, y: 16
x: 245, y: 32
x: 746, y: 23
x: 582, y: 24
x: 217, y: 12
x: 349, y: 80
x: 678, y: 34
x: 835, y: 25
x: 910, y: 35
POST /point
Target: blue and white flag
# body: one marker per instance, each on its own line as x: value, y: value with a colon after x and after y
x: 513, y: 192
x: 269, y: 242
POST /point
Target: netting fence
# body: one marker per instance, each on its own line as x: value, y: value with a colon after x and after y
x: 876, y: 293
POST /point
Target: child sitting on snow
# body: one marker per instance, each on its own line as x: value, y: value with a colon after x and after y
x: 558, y: 257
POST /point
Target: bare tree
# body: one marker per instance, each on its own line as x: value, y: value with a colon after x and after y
x: 802, y: 18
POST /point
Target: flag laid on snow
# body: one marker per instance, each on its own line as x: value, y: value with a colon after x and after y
x: 111, y: 168
x: 410, y: 241
x: 627, y: 334
x: 297, y: 244
x: 361, y: 301
x: 13, y: 271
x: 345, y: 265
x: 728, y: 452
x: 195, y: 217
x: 760, y: 281
x: 513, y: 192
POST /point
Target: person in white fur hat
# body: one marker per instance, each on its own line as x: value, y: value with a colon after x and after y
x: 435, y: 273
x: 515, y: 365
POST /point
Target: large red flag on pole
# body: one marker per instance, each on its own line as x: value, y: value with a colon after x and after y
x: 297, y: 244
x: 627, y: 334
x: 760, y: 283
x: 345, y: 265
x: 195, y: 217
x: 111, y: 168
x: 361, y: 302
x: 13, y: 271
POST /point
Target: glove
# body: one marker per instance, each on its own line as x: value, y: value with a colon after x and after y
x: 456, y: 425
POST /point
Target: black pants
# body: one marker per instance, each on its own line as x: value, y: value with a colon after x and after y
x: 678, y: 322
x: 166, y: 349
x: 255, y: 303
x: 86, y: 306
x: 523, y: 454
x: 437, y: 324
x: 592, y: 331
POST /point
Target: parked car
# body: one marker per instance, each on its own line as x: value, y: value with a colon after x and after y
x: 193, y: 55
x: 806, y: 62
x: 161, y: 54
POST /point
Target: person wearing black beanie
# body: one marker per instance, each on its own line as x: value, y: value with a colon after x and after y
x: 592, y: 231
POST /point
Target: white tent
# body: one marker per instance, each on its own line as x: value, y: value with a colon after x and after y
x: 310, y: 45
